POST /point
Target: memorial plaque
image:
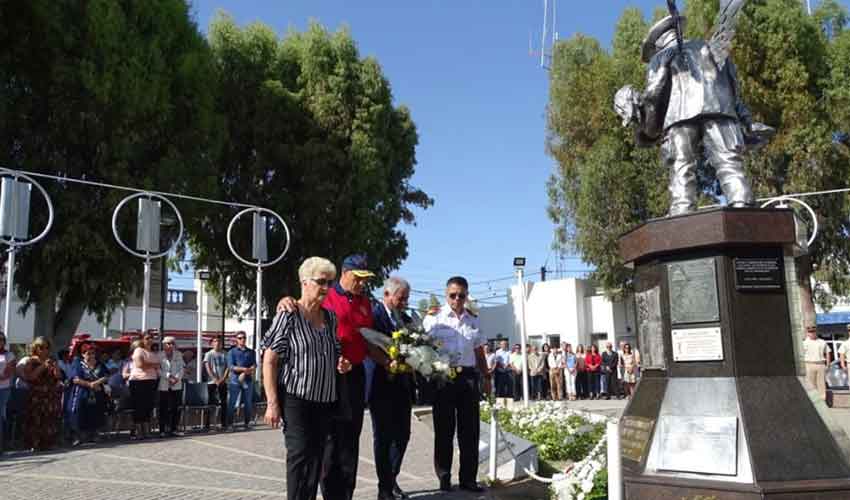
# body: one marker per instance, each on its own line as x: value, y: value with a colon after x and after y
x: 693, y: 291
x: 634, y: 437
x: 704, y: 445
x: 758, y: 274
x: 650, y: 329
x: 697, y: 344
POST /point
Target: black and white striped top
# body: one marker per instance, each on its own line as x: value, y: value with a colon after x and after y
x: 308, y: 356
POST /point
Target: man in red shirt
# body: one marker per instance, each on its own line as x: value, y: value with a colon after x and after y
x: 348, y: 300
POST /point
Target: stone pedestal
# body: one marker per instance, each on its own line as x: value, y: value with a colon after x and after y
x: 719, y: 412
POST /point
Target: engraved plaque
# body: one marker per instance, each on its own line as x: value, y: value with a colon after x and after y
x: 697, y: 344
x: 634, y: 437
x: 650, y: 328
x: 693, y: 291
x: 758, y: 274
x: 704, y: 445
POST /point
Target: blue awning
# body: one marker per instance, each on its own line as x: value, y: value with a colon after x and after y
x: 833, y: 318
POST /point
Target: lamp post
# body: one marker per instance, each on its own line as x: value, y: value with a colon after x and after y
x: 519, y: 265
x: 14, y: 224
x: 202, y: 275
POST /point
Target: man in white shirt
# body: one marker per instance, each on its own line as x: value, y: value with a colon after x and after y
x: 556, y: 372
x: 170, y: 387
x: 456, y: 403
x: 816, y: 357
x: 502, y: 376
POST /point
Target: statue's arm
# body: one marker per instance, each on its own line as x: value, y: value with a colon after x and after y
x: 744, y: 114
x: 655, y: 93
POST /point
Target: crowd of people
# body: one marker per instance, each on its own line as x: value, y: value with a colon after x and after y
x: 562, y: 373
x: 71, y: 399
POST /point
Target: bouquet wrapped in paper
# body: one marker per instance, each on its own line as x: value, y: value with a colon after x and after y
x: 412, y: 349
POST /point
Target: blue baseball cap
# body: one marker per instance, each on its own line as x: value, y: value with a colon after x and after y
x: 357, y: 264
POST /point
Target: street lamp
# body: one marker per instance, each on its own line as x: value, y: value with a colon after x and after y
x: 519, y: 264
x: 202, y: 275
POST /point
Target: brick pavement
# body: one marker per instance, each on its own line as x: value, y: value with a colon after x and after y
x: 246, y: 464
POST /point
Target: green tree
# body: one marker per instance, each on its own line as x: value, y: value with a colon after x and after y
x: 312, y: 133
x: 792, y: 76
x: 108, y: 91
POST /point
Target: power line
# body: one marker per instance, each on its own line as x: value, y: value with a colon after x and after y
x: 134, y: 190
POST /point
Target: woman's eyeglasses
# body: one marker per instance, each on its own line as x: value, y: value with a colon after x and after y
x: 457, y: 296
x: 321, y: 281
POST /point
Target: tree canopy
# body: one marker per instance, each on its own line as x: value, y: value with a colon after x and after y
x: 132, y: 93
x: 313, y: 134
x: 793, y: 70
x: 117, y: 92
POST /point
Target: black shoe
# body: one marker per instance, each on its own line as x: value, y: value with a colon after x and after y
x: 399, y: 493
x: 383, y: 495
x: 471, y: 487
x: 445, y: 484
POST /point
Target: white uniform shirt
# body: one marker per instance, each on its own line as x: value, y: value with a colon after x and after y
x: 460, y: 336
x: 556, y: 360
x: 813, y: 350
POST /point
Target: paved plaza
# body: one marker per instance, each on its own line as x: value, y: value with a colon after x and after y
x: 245, y: 464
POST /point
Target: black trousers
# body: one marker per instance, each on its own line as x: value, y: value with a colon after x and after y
x: 504, y: 386
x: 390, y: 410
x: 339, y: 468
x: 517, y: 377
x: 582, y: 384
x: 456, y: 406
x: 218, y: 396
x: 610, y: 382
x: 142, y: 396
x: 170, y: 403
x: 306, y: 434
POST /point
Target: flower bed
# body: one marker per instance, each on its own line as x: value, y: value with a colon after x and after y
x: 562, y: 435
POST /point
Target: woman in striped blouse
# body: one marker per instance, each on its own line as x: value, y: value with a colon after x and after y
x: 300, y: 363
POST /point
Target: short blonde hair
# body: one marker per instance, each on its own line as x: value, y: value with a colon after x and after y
x: 314, y: 266
x: 39, y: 342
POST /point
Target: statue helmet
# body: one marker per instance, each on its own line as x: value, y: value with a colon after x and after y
x: 659, y: 31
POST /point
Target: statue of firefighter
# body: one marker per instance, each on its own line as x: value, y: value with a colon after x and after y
x: 692, y: 102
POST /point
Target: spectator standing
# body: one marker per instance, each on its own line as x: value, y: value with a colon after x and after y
x: 143, y: 385
x: 7, y: 369
x: 456, y: 405
x: 816, y: 357
x: 300, y: 365
x: 190, y: 367
x: 535, y: 367
x: 240, y: 388
x: 621, y: 386
x: 629, y: 369
x: 570, y: 373
x: 215, y: 364
x: 44, y: 405
x: 593, y: 362
x: 87, y: 396
x: 581, y: 372
x: 504, y: 381
x: 544, y: 371
x: 556, y: 373
x: 516, y: 371
x: 610, y: 361
x: 171, y: 371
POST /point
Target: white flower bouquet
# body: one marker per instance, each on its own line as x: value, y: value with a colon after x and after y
x: 411, y: 349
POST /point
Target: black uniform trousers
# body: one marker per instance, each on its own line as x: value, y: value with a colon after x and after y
x: 390, y: 408
x: 456, y: 406
x: 218, y: 396
x: 306, y: 431
x: 342, y: 453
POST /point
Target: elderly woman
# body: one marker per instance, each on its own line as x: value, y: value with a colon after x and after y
x: 143, y: 385
x: 87, y: 396
x: 300, y: 365
x: 44, y: 401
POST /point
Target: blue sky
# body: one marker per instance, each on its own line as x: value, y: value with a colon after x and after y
x: 478, y: 99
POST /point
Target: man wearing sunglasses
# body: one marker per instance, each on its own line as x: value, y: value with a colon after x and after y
x: 456, y: 403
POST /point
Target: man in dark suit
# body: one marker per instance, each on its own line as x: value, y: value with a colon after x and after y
x: 391, y: 395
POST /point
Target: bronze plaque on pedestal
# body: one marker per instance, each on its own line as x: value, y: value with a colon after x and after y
x: 693, y: 291
x: 634, y: 437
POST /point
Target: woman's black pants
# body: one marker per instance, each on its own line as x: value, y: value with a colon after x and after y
x: 306, y: 431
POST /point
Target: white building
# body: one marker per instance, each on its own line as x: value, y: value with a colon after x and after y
x: 567, y: 310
